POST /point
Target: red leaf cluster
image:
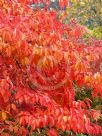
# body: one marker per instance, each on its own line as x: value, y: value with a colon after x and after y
x: 40, y: 59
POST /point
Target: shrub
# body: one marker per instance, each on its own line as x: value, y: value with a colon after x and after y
x: 40, y: 61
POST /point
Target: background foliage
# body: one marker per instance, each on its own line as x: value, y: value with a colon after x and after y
x: 87, y: 12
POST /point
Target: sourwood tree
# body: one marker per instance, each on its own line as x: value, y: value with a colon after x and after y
x: 40, y: 62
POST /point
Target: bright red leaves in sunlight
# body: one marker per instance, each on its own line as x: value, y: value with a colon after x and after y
x: 40, y: 59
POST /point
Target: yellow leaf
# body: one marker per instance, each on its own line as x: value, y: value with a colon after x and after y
x: 65, y: 118
x: 25, y: 61
x: 3, y: 115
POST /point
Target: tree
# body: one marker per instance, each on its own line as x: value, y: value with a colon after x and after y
x: 40, y: 60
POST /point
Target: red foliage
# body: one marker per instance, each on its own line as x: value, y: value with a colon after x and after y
x: 40, y: 59
x: 52, y: 132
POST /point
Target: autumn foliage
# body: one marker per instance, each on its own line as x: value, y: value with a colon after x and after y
x: 40, y: 60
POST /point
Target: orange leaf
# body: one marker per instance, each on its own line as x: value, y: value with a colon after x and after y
x: 3, y: 115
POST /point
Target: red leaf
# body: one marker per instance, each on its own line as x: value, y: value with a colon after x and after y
x: 63, y: 3
x: 52, y: 132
